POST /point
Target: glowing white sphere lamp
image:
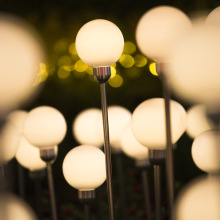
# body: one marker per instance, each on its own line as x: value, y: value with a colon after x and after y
x: 148, y: 123
x: 45, y: 127
x: 194, y: 76
x: 100, y: 43
x: 199, y: 200
x: 119, y: 117
x: 13, y: 207
x: 197, y: 121
x: 21, y: 54
x: 159, y: 29
x: 9, y: 141
x: 206, y: 151
x: 84, y: 169
x: 86, y: 126
x: 131, y: 147
x: 28, y: 156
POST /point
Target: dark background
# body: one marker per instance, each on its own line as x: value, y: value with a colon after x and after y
x: 59, y: 21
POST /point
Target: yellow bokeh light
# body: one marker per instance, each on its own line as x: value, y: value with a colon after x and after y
x: 114, y: 65
x: 72, y: 49
x: 89, y: 70
x: 64, y: 61
x: 126, y: 60
x: 69, y: 68
x: 113, y: 71
x: 152, y: 68
x: 129, y: 47
x: 42, y: 74
x: 61, y: 46
x: 62, y: 73
x: 80, y: 66
x: 116, y: 81
x: 140, y: 60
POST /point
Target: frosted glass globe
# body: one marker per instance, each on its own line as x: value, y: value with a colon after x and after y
x: 17, y: 118
x: 131, y: 147
x: 194, y: 71
x: 44, y: 127
x: 84, y: 167
x: 148, y: 123
x: 206, y: 151
x: 28, y: 156
x: 21, y: 54
x: 86, y: 127
x: 197, y: 121
x: 199, y: 200
x: 99, y: 43
x: 13, y: 207
x: 9, y: 141
x: 159, y: 29
x: 119, y: 117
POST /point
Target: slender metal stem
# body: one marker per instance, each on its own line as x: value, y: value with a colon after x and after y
x: 169, y: 151
x: 2, y: 179
x: 52, y: 191
x: 146, y: 187
x: 120, y: 175
x: 107, y: 150
x: 169, y: 154
x: 87, y: 212
x: 157, y: 188
x: 21, y: 184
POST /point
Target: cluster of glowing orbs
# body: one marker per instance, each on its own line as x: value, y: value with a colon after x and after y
x: 194, y: 71
x: 12, y: 207
x: 119, y: 117
x: 84, y: 167
x: 44, y: 127
x: 9, y: 140
x: 86, y: 127
x: 20, y: 55
x: 99, y: 43
x: 158, y: 31
x: 197, y: 121
x: 28, y: 156
x: 131, y: 147
x: 199, y: 200
x: 206, y: 151
x: 149, y: 126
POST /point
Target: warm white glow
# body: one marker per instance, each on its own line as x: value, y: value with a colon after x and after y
x: 206, y: 151
x: 131, y: 147
x: 17, y: 118
x: 84, y: 167
x: 148, y: 123
x: 99, y: 43
x: 44, y: 127
x: 86, y: 127
x: 9, y: 141
x: 119, y: 117
x: 20, y: 55
x: 28, y: 156
x: 197, y: 121
x: 13, y: 207
x: 199, y: 200
x: 159, y: 29
x: 194, y: 71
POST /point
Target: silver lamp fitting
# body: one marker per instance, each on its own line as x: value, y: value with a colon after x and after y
x: 102, y: 74
x: 86, y: 197
x: 157, y: 157
x: 48, y: 155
